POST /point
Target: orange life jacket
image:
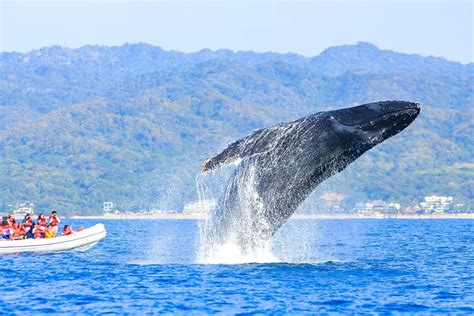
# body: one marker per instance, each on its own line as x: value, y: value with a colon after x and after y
x: 53, y: 220
x: 67, y: 231
x: 18, y: 231
x: 42, y: 222
x: 38, y: 233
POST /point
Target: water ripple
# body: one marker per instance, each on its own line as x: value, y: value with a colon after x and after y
x: 364, y: 267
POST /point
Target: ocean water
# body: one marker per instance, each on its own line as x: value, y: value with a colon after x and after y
x: 323, y: 266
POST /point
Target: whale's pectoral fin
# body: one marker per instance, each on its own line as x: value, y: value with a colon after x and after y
x: 230, y: 154
x: 257, y: 142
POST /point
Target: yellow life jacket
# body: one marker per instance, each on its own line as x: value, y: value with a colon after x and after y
x: 48, y: 234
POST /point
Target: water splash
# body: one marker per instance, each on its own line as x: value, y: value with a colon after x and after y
x: 296, y: 242
x: 248, y: 231
x: 216, y: 247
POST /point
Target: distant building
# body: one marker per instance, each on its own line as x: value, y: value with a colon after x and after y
x: 392, y: 208
x: 378, y: 207
x: 437, y: 204
x: 368, y: 208
x: 413, y: 210
x: 24, y: 208
x: 108, y: 207
x: 203, y: 207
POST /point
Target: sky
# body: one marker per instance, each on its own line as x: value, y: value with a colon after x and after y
x: 429, y: 28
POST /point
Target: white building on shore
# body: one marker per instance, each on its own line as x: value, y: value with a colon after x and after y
x: 378, y: 207
x: 437, y: 204
x: 203, y: 207
x: 108, y: 207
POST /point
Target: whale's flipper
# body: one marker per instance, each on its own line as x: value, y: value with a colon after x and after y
x: 258, y: 142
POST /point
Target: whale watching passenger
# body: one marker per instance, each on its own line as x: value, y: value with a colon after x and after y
x: 42, y: 220
x: 19, y: 231
x: 27, y: 222
x: 67, y: 230
x: 42, y: 223
x: 30, y: 233
x: 49, y: 232
x: 54, y: 221
x: 6, y: 228
x: 37, y: 231
x: 11, y: 219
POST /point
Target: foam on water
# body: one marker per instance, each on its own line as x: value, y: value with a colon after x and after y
x: 230, y: 253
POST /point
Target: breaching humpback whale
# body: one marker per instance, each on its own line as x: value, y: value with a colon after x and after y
x: 281, y: 165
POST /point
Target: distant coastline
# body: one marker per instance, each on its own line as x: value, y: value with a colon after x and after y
x: 178, y: 216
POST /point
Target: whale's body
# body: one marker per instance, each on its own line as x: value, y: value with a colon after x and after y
x: 281, y: 165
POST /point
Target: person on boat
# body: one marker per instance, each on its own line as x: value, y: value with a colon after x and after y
x: 67, y: 230
x: 49, y: 232
x: 19, y: 231
x: 15, y: 229
x: 6, y: 228
x: 11, y: 220
x: 54, y: 221
x: 42, y: 223
x: 38, y: 233
x: 42, y: 219
x: 30, y: 233
x: 27, y: 222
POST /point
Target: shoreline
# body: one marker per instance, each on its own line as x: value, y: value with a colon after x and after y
x: 178, y: 216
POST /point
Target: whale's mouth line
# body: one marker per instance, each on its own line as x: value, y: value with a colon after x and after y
x: 408, y: 110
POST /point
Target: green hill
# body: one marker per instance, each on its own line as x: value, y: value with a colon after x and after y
x: 131, y: 124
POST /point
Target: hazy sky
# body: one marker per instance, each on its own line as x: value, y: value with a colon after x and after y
x: 437, y: 28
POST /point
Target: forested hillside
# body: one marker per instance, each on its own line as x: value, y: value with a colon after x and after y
x: 131, y: 124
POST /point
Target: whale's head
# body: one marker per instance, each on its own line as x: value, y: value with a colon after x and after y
x: 371, y: 124
x: 341, y: 136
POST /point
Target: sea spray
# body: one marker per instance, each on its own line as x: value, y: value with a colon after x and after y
x: 220, y: 247
x: 296, y: 242
x: 217, y: 246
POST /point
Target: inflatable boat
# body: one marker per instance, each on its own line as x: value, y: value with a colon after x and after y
x: 83, y: 239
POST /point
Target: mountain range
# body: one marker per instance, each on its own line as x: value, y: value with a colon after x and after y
x: 131, y: 124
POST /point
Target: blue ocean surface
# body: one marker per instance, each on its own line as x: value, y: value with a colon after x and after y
x: 320, y: 266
